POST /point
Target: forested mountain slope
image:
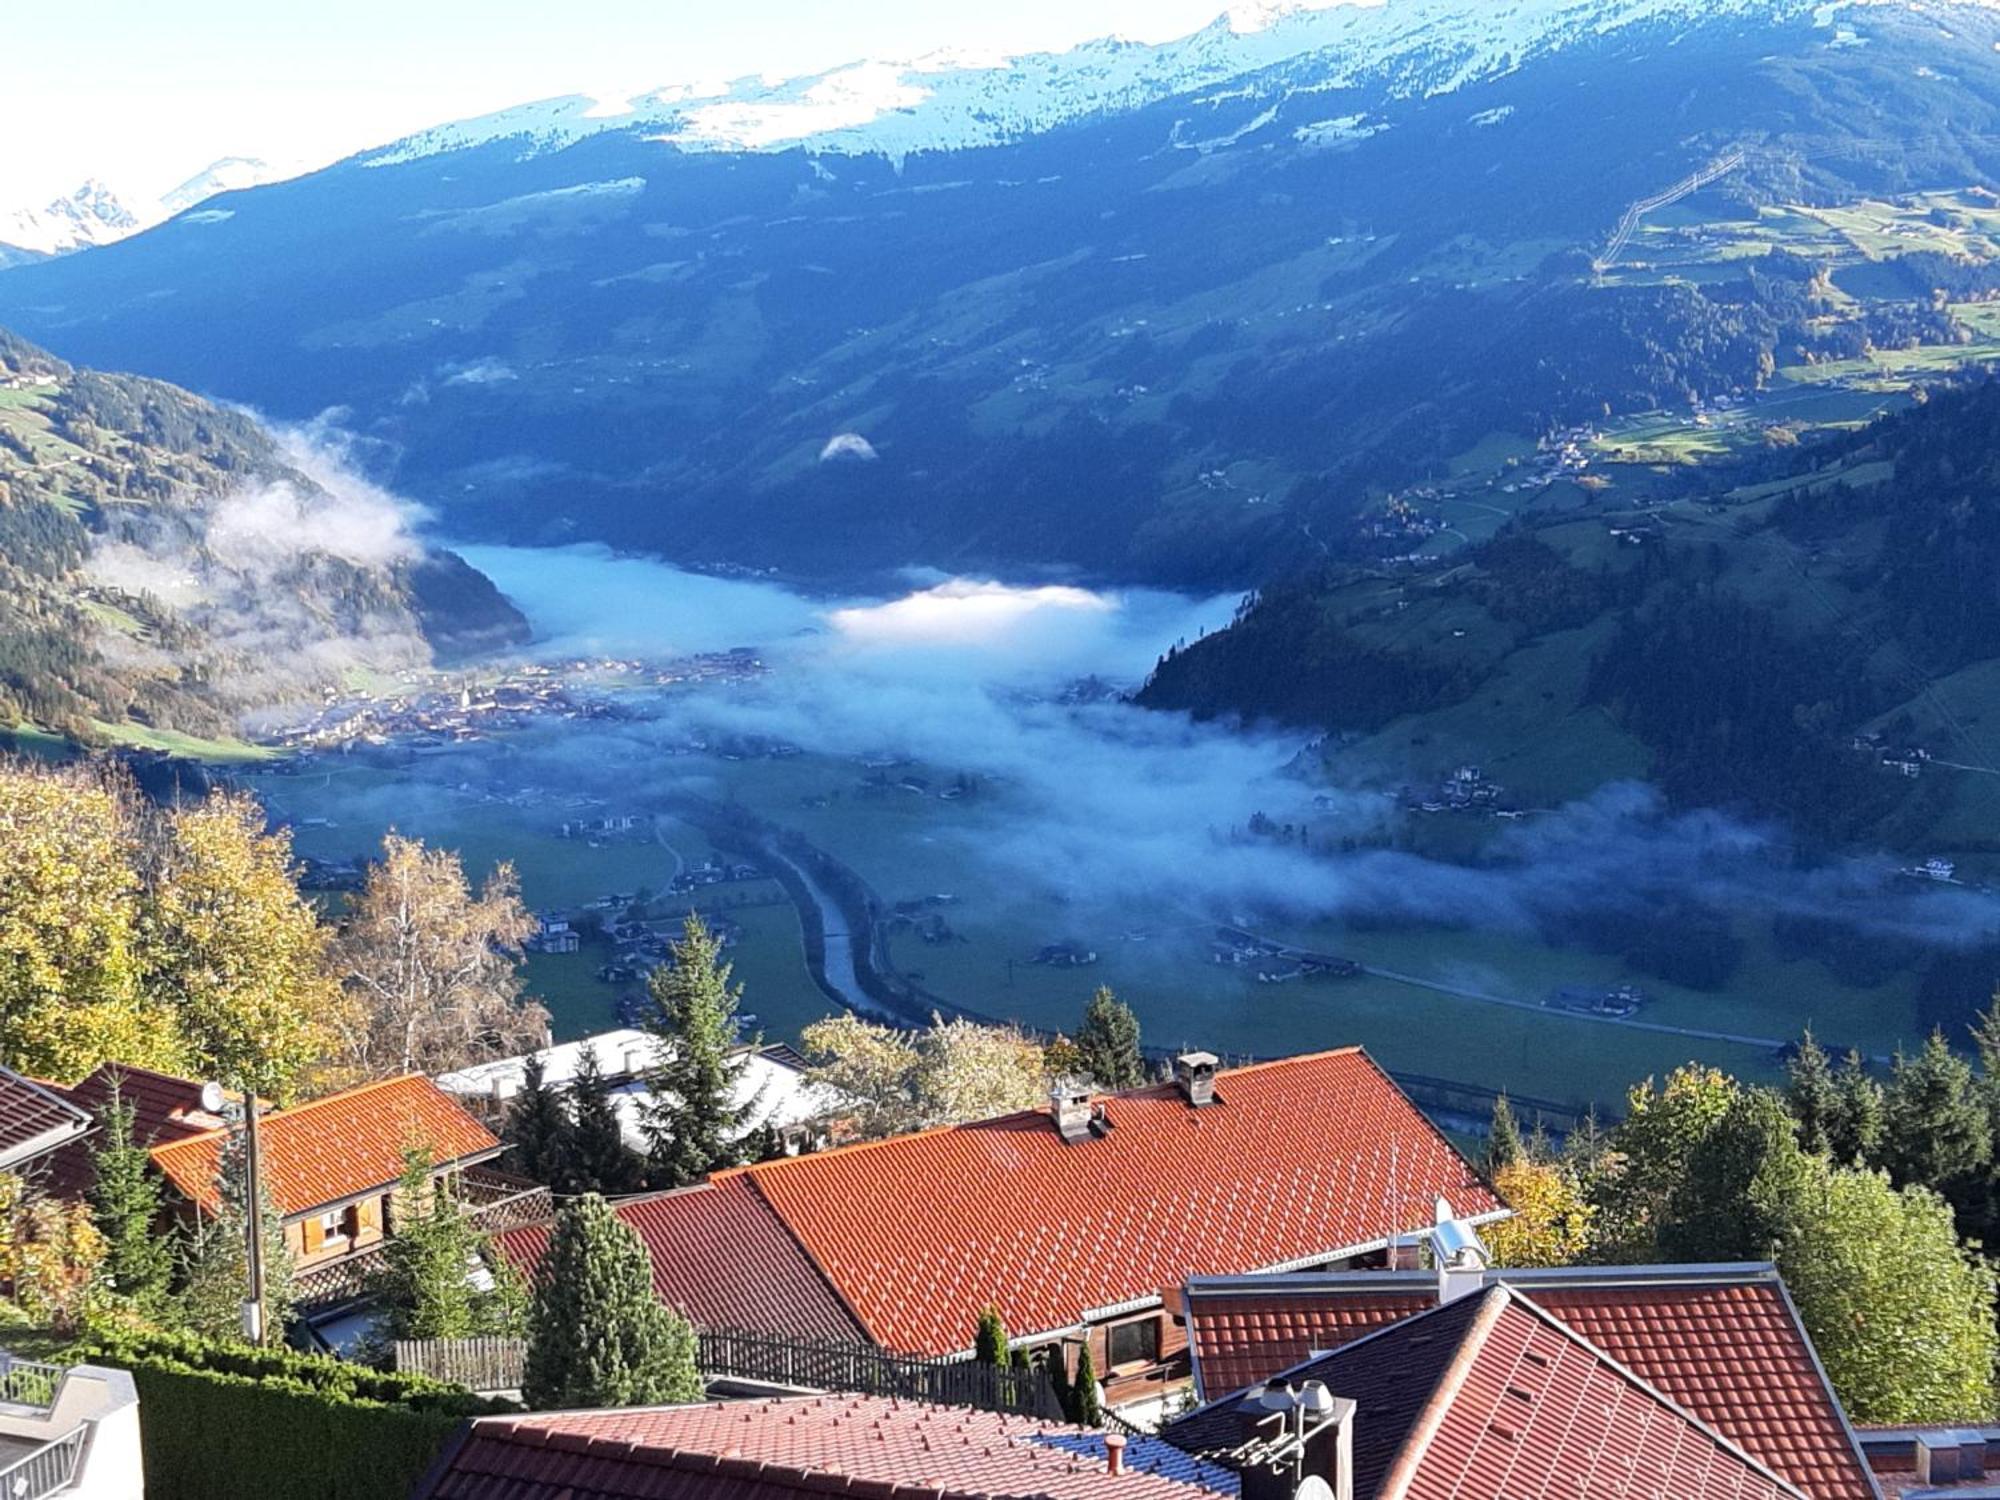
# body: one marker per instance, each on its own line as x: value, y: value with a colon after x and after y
x: 1174, y: 328
x: 1811, y: 633
x: 165, y: 564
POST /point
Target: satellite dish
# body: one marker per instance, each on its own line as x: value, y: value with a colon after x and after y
x: 1312, y: 1487
x: 211, y: 1098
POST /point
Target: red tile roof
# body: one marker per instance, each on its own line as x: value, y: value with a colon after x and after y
x: 336, y: 1148
x: 35, y: 1119
x: 1528, y: 1407
x: 1294, y: 1162
x: 723, y: 1259
x: 1724, y: 1342
x: 861, y: 1446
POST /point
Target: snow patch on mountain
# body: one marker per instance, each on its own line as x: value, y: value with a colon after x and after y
x: 951, y: 102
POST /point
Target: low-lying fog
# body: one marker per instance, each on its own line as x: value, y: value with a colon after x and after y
x: 1142, y: 808
x: 1129, y: 830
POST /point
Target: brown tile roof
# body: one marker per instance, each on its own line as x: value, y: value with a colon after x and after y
x: 34, y: 1120
x: 164, y: 1108
x: 1296, y: 1161
x: 723, y: 1259
x: 869, y: 1447
x: 1526, y: 1406
x: 1722, y: 1341
x: 336, y: 1148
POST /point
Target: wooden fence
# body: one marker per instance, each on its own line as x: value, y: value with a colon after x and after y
x: 481, y: 1364
x: 826, y: 1365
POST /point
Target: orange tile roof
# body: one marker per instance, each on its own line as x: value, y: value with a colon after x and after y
x: 336, y: 1148
x: 1296, y: 1160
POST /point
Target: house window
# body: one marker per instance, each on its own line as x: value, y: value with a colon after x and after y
x: 339, y: 1224
x: 1133, y: 1343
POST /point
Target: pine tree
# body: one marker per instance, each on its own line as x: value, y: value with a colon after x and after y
x: 424, y: 1279
x: 1085, y: 1408
x: 537, y: 1127
x: 125, y: 1207
x: 1503, y: 1137
x: 1812, y: 1095
x: 215, y: 1272
x: 1108, y: 1042
x: 694, y: 1123
x: 1854, y: 1133
x: 597, y: 1336
x: 989, y: 1343
x: 594, y: 1155
x: 1936, y: 1130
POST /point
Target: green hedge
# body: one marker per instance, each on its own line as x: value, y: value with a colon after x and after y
x: 227, y: 1420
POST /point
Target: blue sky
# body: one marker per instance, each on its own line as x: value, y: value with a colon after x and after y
x: 144, y: 92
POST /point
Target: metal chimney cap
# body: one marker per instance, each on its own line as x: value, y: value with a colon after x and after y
x: 1315, y: 1399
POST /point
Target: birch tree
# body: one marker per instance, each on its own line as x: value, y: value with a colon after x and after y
x: 433, y: 967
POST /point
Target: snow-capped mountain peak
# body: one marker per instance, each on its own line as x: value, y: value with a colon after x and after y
x: 92, y: 215
x: 944, y: 102
x: 96, y: 214
x: 231, y: 174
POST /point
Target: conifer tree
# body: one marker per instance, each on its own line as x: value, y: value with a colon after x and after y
x: 1085, y: 1409
x: 1854, y: 1133
x: 1503, y: 1137
x: 1108, y: 1042
x: 215, y: 1273
x: 537, y: 1127
x: 597, y: 1336
x: 125, y: 1207
x: 594, y: 1153
x: 694, y: 1123
x: 1812, y: 1095
x: 1935, y: 1127
x: 989, y: 1343
x: 424, y: 1282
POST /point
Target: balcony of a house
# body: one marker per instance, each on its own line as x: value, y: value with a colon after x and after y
x: 69, y: 1431
x: 493, y: 1201
x: 1144, y: 1395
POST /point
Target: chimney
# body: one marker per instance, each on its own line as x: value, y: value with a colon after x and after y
x: 1114, y: 1453
x: 1938, y: 1458
x: 1299, y: 1445
x: 1458, y: 1255
x: 1069, y: 1107
x: 1195, y: 1073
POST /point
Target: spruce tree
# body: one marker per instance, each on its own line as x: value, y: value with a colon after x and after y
x: 989, y: 1343
x: 1503, y: 1137
x: 1108, y: 1042
x: 1812, y: 1096
x: 215, y: 1268
x: 537, y: 1127
x: 694, y: 1123
x: 594, y: 1154
x: 424, y: 1279
x: 125, y: 1207
x: 597, y: 1336
x: 1936, y: 1129
x: 1085, y: 1409
x: 1854, y: 1132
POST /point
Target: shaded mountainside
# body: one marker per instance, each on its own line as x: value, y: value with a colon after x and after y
x: 1810, y: 633
x: 165, y: 564
x: 1169, y: 342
